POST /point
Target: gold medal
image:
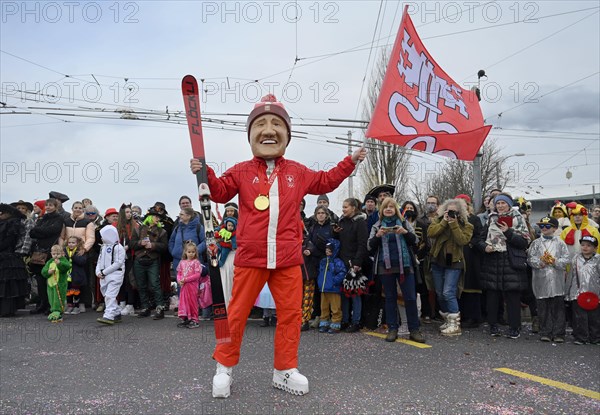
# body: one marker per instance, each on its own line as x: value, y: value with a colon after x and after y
x: 261, y: 202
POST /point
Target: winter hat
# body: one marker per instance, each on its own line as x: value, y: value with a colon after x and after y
x: 504, y: 198
x: 370, y: 197
x: 11, y: 210
x: 232, y: 220
x: 110, y: 211
x: 464, y: 197
x: 579, y: 210
x: 41, y: 204
x: 549, y: 220
x: 231, y: 205
x: 322, y: 197
x: 58, y: 196
x: 269, y: 105
x: 28, y: 205
x: 590, y: 239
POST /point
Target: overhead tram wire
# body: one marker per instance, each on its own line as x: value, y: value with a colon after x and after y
x: 362, y: 85
x: 361, y: 47
x: 534, y: 43
x: 545, y: 95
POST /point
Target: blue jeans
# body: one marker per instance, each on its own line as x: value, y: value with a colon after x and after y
x: 409, y: 293
x: 445, y: 281
x: 356, y: 309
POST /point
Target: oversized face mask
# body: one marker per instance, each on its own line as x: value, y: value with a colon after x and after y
x: 268, y: 137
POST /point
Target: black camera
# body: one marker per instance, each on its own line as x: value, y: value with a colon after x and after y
x: 452, y: 214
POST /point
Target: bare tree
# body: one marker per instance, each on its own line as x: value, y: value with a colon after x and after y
x: 456, y: 176
x: 385, y: 163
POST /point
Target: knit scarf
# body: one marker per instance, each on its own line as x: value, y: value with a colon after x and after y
x: 400, y: 242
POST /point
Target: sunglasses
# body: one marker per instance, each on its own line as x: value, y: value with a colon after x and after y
x: 545, y: 226
x: 90, y: 213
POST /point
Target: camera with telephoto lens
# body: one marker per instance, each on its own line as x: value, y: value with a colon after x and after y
x: 452, y: 214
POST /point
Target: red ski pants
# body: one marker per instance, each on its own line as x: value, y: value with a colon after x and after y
x: 286, y: 287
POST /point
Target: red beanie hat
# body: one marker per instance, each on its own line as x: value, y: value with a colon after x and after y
x: 110, y: 211
x: 269, y: 105
x: 464, y: 197
x: 42, y: 205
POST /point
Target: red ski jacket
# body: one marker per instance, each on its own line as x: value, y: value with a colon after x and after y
x: 272, y: 238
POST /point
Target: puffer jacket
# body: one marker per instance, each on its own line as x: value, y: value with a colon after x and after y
x: 353, y: 239
x: 47, y: 231
x: 331, y: 271
x: 80, y: 227
x: 186, y: 232
x: 496, y: 272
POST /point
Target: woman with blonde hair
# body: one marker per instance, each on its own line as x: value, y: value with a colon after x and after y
x: 450, y: 231
x: 391, y: 241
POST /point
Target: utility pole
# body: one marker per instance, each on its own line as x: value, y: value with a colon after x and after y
x: 350, y: 179
x: 477, y: 190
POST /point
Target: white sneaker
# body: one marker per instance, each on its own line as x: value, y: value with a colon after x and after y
x: 82, y: 308
x: 68, y: 310
x: 128, y: 310
x: 122, y: 305
x: 290, y: 381
x: 222, y: 381
x: 75, y: 310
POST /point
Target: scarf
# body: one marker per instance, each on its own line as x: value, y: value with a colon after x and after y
x: 495, y: 237
x: 405, y: 261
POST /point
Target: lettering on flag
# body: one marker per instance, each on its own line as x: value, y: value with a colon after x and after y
x: 421, y: 107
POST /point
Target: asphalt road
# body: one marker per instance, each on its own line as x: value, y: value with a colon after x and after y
x: 143, y: 366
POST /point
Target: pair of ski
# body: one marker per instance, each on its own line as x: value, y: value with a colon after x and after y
x: 191, y: 99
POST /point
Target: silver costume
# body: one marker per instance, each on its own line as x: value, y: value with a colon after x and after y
x: 549, y: 281
x: 589, y: 276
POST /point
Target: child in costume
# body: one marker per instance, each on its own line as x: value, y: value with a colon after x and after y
x: 329, y: 282
x: 56, y: 272
x: 227, y: 247
x: 189, y: 271
x: 584, y: 280
x: 110, y: 271
x: 77, y: 277
x: 578, y: 228
x: 559, y: 212
x: 548, y: 257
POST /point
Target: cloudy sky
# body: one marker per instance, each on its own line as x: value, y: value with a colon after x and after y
x: 66, y: 67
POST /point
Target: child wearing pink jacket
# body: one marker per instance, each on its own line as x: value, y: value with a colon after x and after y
x: 189, y: 272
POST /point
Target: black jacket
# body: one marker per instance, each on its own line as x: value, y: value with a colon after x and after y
x: 496, y: 272
x: 472, y: 254
x: 46, y: 231
x: 353, y: 239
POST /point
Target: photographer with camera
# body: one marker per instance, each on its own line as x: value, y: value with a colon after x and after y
x: 450, y: 231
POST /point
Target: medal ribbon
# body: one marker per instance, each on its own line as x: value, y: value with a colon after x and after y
x: 265, y: 184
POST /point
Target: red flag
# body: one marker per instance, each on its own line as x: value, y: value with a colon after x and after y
x: 421, y: 107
